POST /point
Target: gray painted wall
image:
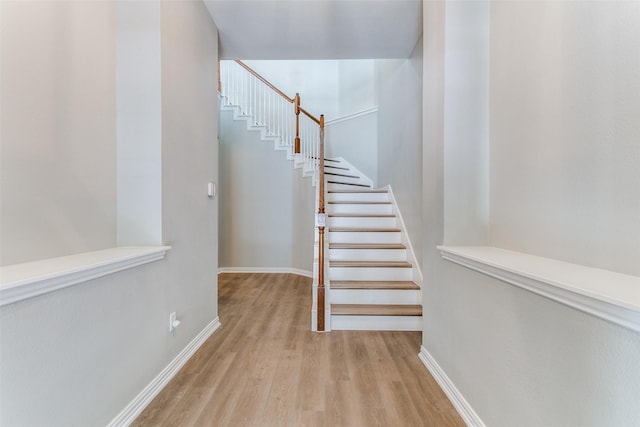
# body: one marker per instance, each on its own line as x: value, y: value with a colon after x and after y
x: 357, y: 85
x: 519, y: 358
x: 355, y: 140
x: 466, y: 126
x: 399, y: 84
x: 565, y: 146
x: 78, y: 356
x: 58, y: 166
x: 267, y: 206
x: 139, y: 117
x: 315, y: 80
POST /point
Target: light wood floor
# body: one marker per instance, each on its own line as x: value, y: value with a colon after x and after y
x: 264, y: 367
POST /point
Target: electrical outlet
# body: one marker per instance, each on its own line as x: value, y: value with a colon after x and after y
x: 173, y: 321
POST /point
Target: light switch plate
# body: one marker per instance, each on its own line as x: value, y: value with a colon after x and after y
x: 212, y: 189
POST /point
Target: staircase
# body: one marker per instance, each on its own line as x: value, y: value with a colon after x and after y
x: 372, y: 283
x: 370, y: 280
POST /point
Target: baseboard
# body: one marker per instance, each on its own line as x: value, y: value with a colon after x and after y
x: 462, y: 406
x: 140, y: 402
x: 297, y: 271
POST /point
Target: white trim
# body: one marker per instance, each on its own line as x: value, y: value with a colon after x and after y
x: 465, y: 410
x: 140, y: 402
x: 351, y: 116
x: 21, y: 281
x: 412, y: 255
x: 287, y: 270
x: 606, y: 294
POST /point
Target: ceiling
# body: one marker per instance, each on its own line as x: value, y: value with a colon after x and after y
x: 316, y: 29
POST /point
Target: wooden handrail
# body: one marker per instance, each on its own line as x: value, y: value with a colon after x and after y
x: 306, y: 113
x: 263, y: 80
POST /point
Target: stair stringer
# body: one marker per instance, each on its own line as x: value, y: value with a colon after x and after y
x: 411, y: 256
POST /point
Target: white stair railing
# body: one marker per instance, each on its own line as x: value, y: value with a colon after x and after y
x: 309, y: 144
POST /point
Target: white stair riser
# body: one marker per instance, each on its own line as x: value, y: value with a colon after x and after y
x: 376, y: 323
x: 364, y: 237
x: 359, y: 208
x: 358, y: 221
x: 358, y: 197
x: 368, y: 254
x: 375, y: 296
x: 371, y: 273
x: 344, y: 187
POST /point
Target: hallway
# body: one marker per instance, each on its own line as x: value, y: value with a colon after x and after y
x: 264, y: 367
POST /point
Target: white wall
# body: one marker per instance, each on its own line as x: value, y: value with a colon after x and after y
x: 335, y: 88
x: 316, y: 81
x: 355, y: 140
x: 353, y: 136
x: 77, y: 356
x: 399, y: 88
x: 58, y: 127
x: 267, y: 207
x: 357, y: 86
x: 519, y: 358
x: 565, y: 131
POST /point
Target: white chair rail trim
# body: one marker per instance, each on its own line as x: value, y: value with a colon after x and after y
x: 351, y: 116
x: 27, y: 280
x: 606, y: 294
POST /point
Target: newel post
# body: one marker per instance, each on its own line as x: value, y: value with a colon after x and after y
x: 321, y: 225
x: 296, y: 103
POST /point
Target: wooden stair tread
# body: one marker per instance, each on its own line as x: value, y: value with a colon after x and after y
x: 364, y: 284
x: 359, y: 191
x: 361, y: 215
x: 336, y: 167
x: 376, y: 310
x: 363, y: 230
x: 354, y: 202
x: 348, y: 183
x: 370, y: 264
x: 341, y: 174
x: 367, y: 246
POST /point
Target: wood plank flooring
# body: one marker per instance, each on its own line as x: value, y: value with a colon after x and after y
x: 264, y: 367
